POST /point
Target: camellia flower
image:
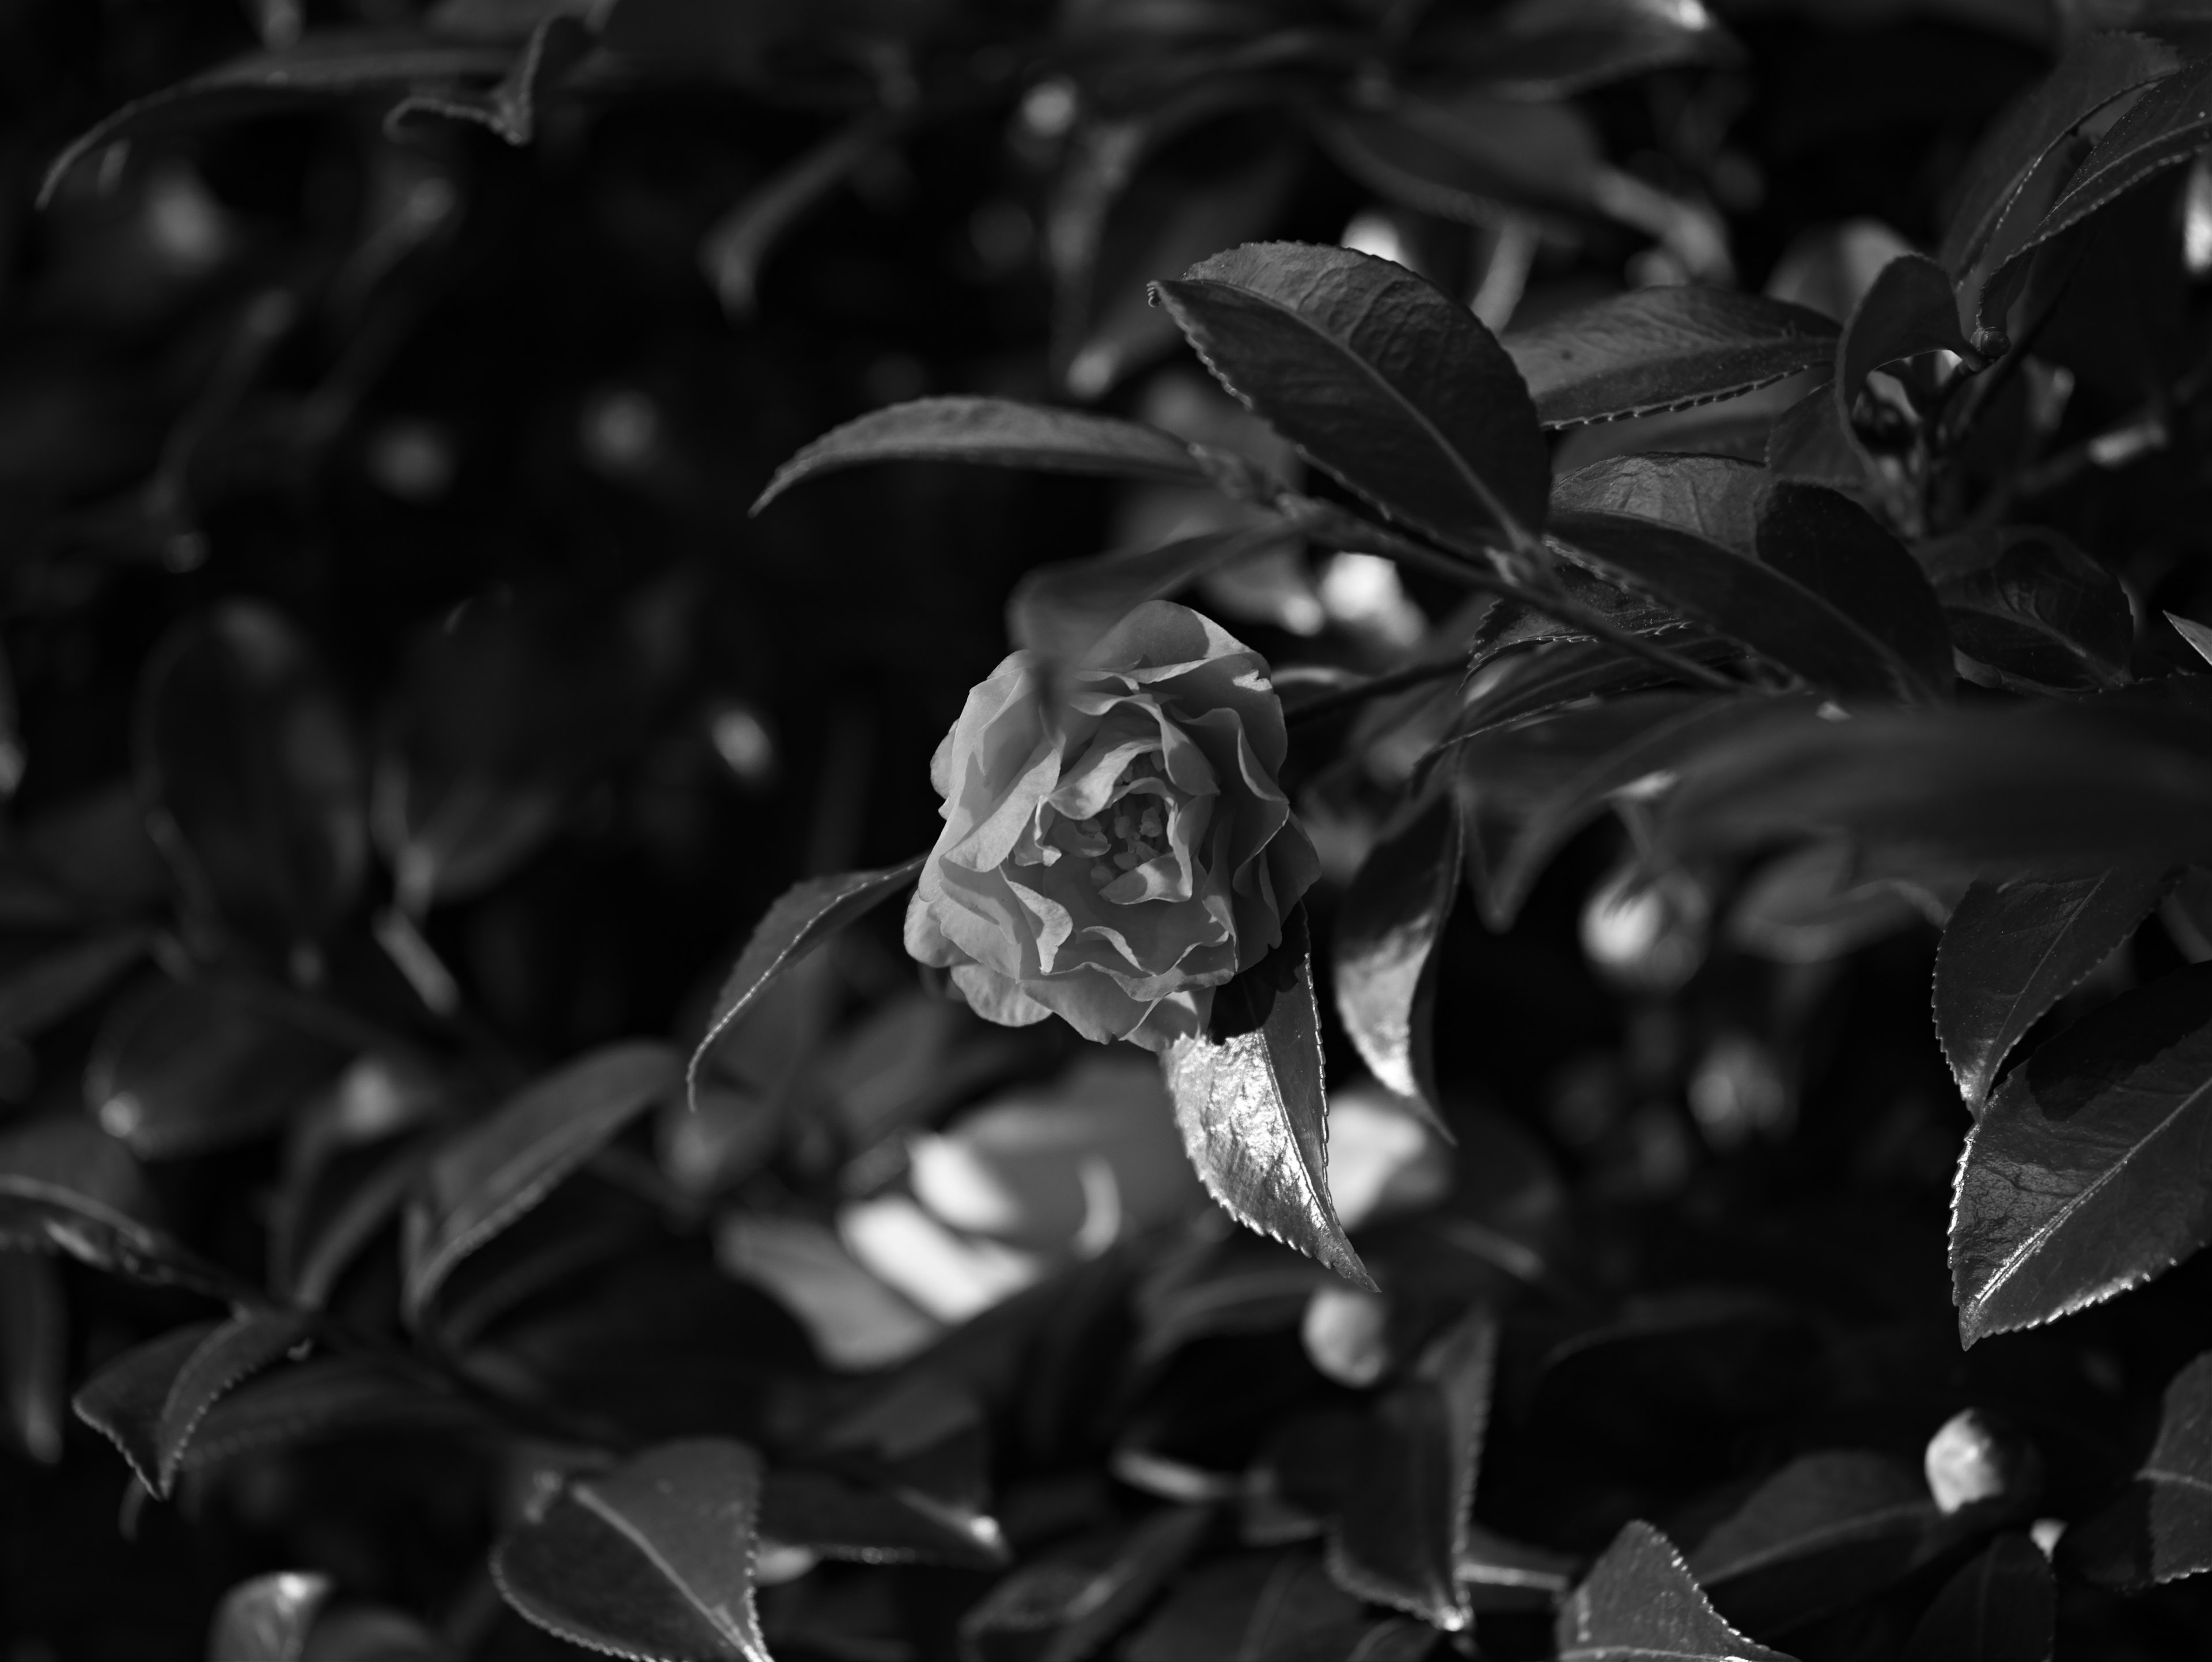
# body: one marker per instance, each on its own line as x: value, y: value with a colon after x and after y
x: 1114, y: 855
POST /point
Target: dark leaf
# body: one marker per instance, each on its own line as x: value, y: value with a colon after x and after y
x: 326, y: 65
x: 59, y: 982
x: 2164, y: 128
x: 1495, y: 1574
x: 1539, y: 49
x: 1909, y: 310
x: 1386, y: 936
x: 268, y: 1619
x: 2013, y: 949
x: 996, y: 431
x: 1810, y: 443
x: 1066, y: 1606
x: 1826, y: 1531
x: 1640, y: 1604
x: 652, y: 1560
x: 253, y: 774
x: 1655, y: 349
x: 188, y: 1066
x: 322, y: 1398
x: 2040, y: 617
x: 2090, y: 1169
x: 840, y: 1518
x: 739, y: 244
x: 1249, y: 1101
x: 556, y: 46
x: 2003, y: 1607
x: 2096, y: 69
x: 33, y: 1355
x: 2159, y: 1529
x: 1063, y: 609
x: 1818, y: 904
x: 1566, y: 673
x: 1402, y: 1533
x: 1378, y: 377
x: 365, y: 1633
x: 66, y: 1185
x: 804, y: 916
x: 1478, y: 160
x: 498, y: 1169
x: 1261, y: 1607
x: 330, y: 1213
x: 150, y: 1401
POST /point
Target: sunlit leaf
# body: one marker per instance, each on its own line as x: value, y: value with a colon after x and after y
x: 875, y: 1524
x: 1640, y: 1604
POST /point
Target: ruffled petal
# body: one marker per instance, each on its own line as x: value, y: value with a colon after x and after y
x: 995, y: 998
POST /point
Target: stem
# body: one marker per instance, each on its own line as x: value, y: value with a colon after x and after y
x: 1376, y: 686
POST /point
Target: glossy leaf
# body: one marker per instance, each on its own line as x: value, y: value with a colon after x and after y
x: 1655, y: 349
x: 1825, y: 1532
x: 254, y: 775
x: 2164, y: 128
x: 2013, y: 949
x: 2041, y: 617
x: 2091, y: 1169
x: 1909, y: 310
x: 1386, y: 933
x: 1539, y: 49
x: 2160, y: 1528
x: 1063, y: 609
x: 652, y: 1560
x: 150, y: 1401
x: 498, y: 1169
x: 1065, y: 1606
x: 1402, y: 1534
x: 840, y: 1518
x: 268, y: 1619
x: 803, y: 917
x: 1249, y: 1101
x: 1640, y: 1604
x: 2001, y: 1607
x: 58, y: 983
x: 998, y: 432
x: 1375, y: 376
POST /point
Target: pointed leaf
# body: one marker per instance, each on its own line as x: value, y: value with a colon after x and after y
x: 1386, y: 933
x: 2164, y: 128
x: 268, y: 1618
x: 1378, y: 377
x: 1065, y: 1607
x: 652, y: 1561
x: 1655, y: 350
x: 1249, y: 1101
x: 2161, y: 1528
x: 840, y: 1518
x: 498, y: 1169
x: 322, y: 1398
x: 1403, y: 1532
x: 2013, y: 949
x: 150, y: 1401
x: 2091, y: 1169
x: 2003, y: 1607
x: 998, y: 432
x: 1640, y: 1604
x: 806, y: 914
x: 2039, y: 617
x: 1909, y: 310
x: 1064, y: 609
x: 67, y: 1186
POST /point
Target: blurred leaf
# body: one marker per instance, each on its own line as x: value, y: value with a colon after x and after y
x: 1909, y: 310
x: 996, y: 431
x: 268, y: 1618
x: 33, y: 1355
x: 1825, y: 1532
x: 1375, y: 376
x: 187, y: 1067
x: 1641, y: 1604
x: 1818, y: 904
x: 366, y: 1633
x: 652, y: 1560
x: 322, y: 1398
x: 251, y: 771
x: 149, y: 1402
x: 67, y: 1186
x: 1655, y: 349
x: 739, y: 244
x: 2040, y: 617
x: 554, y: 47
x: 2159, y: 1529
x: 1495, y: 1574
x: 840, y: 1518
x: 58, y: 983
x: 327, y: 1216
x: 2164, y: 128
x: 2082, y: 1177
x: 803, y: 917
x: 2003, y: 1607
x: 1809, y: 443
x: 1542, y: 49
x: 854, y: 1320
x: 2013, y: 949
x: 1065, y: 1606
x: 1063, y: 609
x: 1265, y: 1607
x: 1475, y: 159
x: 1402, y: 1531
x: 2095, y: 69
x: 1817, y: 585
x: 498, y: 1169
x: 1249, y: 1101
x: 1386, y: 933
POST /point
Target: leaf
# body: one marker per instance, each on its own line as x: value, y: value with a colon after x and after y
x: 33, y: 1355
x: 268, y: 1618
x: 803, y: 917
x: 998, y: 432
x: 58, y: 983
x: 1810, y: 444
x: 322, y: 1398
x: 1387, y: 931
x: 1655, y: 350
x: 2003, y: 1607
x: 329, y: 1214
x: 509, y: 109
x: 251, y: 769
x: 1063, y: 609
x: 1828, y: 1531
x: 1909, y: 310
x: 854, y: 1319
x: 2091, y: 1169
x: 2096, y: 69
x: 498, y: 1169
x: 871, y: 1523
x: 365, y: 1633
x: 1495, y: 1574
x: 65, y: 1185
x: 1067, y: 1605
x: 1268, y: 1607
x: 1249, y: 1101
x: 1376, y: 377
x: 150, y: 1401
x: 1402, y: 1533
x: 738, y: 245
x: 1479, y: 160
x: 1800, y: 574
x: 326, y: 65
x: 2013, y: 949
x: 652, y: 1560
x: 1540, y: 49
x: 2040, y: 617
x: 2160, y: 1528
x: 1639, y: 1603
x: 2164, y: 128
x: 189, y: 1067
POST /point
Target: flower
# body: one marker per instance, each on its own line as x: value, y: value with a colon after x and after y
x: 1114, y: 855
